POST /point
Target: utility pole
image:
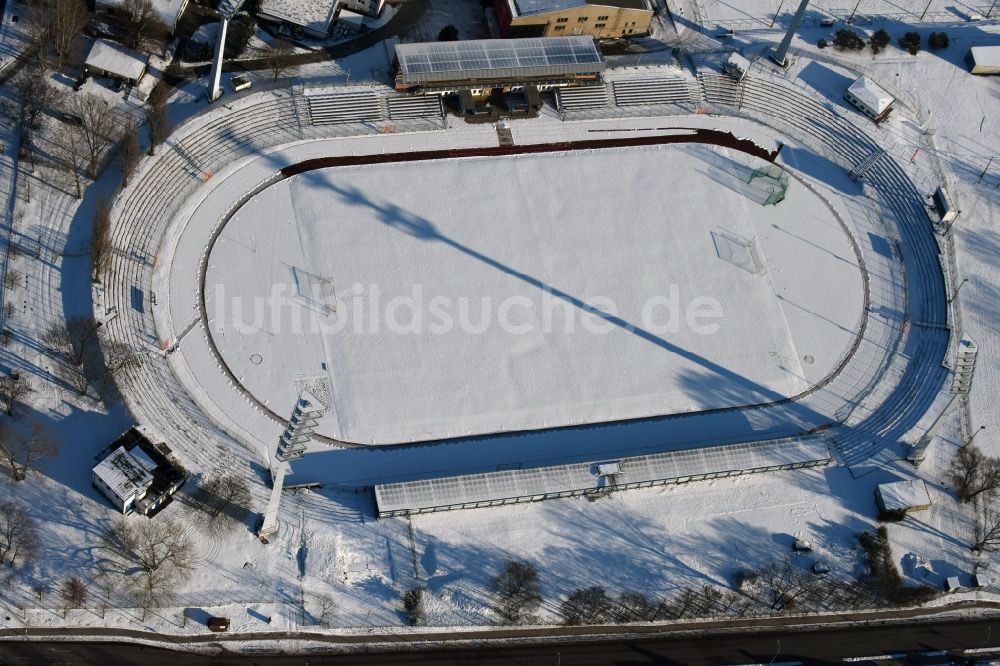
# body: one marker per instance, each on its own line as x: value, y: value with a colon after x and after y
x: 850, y: 19
x: 960, y: 285
x: 978, y: 430
x: 984, y: 171
x: 991, y: 8
x: 775, y: 17
x: 779, y: 55
x: 924, y: 13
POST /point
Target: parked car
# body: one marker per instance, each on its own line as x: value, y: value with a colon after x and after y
x: 218, y: 624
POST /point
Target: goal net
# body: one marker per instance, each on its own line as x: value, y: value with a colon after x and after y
x: 738, y: 250
x: 769, y: 183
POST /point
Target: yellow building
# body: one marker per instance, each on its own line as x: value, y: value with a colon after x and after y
x: 600, y: 19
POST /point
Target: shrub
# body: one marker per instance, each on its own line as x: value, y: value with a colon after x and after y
x: 413, y: 605
x: 449, y: 33
x: 822, y: 44
x: 848, y: 39
x: 910, y: 42
x: 879, y: 40
x: 938, y: 40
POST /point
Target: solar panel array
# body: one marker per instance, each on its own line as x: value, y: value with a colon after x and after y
x: 579, y: 478
x: 484, y: 58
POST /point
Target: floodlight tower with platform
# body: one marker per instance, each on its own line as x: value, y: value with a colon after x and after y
x: 780, y: 54
x: 291, y: 446
x: 227, y: 9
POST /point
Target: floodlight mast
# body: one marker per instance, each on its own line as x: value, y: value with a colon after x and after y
x: 227, y: 9
x: 780, y: 54
x: 291, y: 446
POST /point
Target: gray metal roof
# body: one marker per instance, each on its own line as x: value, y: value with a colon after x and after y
x: 412, y: 496
x: 497, y: 58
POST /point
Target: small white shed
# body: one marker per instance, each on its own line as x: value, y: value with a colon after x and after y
x: 115, y: 61
x: 869, y: 98
x: 902, y: 497
x: 737, y: 66
x: 984, y: 60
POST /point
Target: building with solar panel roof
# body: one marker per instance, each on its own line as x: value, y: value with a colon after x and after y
x: 600, y: 19
x: 477, y: 69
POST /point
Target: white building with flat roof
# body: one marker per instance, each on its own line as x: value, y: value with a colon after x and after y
x: 869, y: 98
x: 984, y: 59
x: 123, y: 478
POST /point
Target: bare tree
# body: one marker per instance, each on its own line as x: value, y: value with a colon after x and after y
x: 18, y: 536
x: 67, y: 19
x: 974, y: 473
x: 988, y: 530
x: 323, y: 611
x: 118, y: 357
x: 40, y: 587
x: 74, y: 593
x: 144, y: 27
x: 99, y: 126
x: 100, y: 242
x: 517, y: 590
x: 13, y: 388
x: 36, y: 93
x: 159, y: 550
x: 635, y: 607
x: 277, y: 57
x: 157, y: 117
x: 589, y: 605
x: 129, y: 150
x: 21, y: 452
x: 782, y: 583
x: 227, y: 495
x: 71, y: 150
x: 74, y: 340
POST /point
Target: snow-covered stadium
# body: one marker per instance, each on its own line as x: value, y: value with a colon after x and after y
x: 617, y: 276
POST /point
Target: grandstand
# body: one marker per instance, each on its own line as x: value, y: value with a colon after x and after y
x: 486, y: 64
x: 593, y: 479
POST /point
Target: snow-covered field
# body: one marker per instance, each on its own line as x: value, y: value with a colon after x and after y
x: 459, y: 298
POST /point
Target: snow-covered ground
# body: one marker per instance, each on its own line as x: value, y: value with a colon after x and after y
x: 450, y: 314
x: 655, y: 539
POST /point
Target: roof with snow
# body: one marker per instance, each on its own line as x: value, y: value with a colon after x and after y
x: 169, y: 10
x: 736, y: 60
x: 116, y: 59
x: 125, y: 474
x: 985, y: 56
x: 903, y: 495
x: 871, y: 95
x: 528, y: 7
x: 485, y: 58
x: 510, y: 486
x: 313, y: 15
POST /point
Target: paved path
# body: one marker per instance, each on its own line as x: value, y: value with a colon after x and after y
x: 912, y: 642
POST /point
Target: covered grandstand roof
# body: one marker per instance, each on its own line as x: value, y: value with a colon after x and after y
x: 578, y: 478
x: 497, y: 58
x: 529, y: 7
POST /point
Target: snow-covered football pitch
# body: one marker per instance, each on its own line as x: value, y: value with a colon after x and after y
x: 453, y: 297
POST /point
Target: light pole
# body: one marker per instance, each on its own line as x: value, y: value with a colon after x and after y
x: 960, y: 285
x: 979, y: 430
